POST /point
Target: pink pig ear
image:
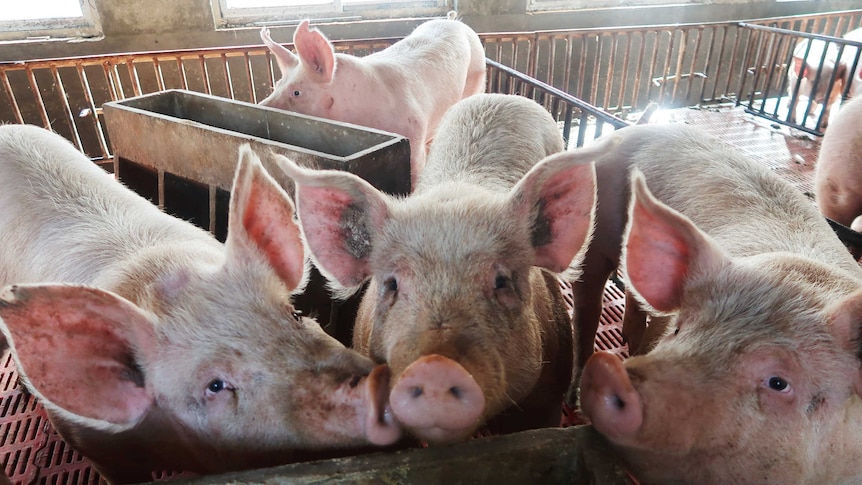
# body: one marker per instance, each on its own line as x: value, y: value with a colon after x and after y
x: 286, y: 60
x: 261, y: 222
x: 79, y: 348
x: 340, y: 213
x: 845, y: 324
x: 315, y: 51
x: 663, y: 248
x: 557, y: 200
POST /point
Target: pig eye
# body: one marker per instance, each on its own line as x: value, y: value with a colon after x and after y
x: 390, y: 285
x: 296, y: 93
x: 217, y: 385
x: 501, y: 282
x: 778, y: 384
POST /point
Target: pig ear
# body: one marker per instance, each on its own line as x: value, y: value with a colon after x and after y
x: 663, y: 249
x: 261, y: 222
x: 315, y: 51
x: 78, y: 347
x: 340, y: 213
x: 557, y: 199
x: 845, y: 324
x: 286, y: 60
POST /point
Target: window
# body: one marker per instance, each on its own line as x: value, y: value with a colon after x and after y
x: 43, y: 19
x: 544, y: 5
x: 230, y: 13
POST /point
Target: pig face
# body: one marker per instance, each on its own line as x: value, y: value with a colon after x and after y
x: 454, y: 280
x: 209, y: 357
x: 756, y: 379
x: 305, y: 84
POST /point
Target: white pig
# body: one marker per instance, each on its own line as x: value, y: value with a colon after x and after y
x: 152, y: 345
x: 757, y: 379
x: 852, y: 76
x: 404, y: 89
x: 463, y: 302
x: 838, y: 173
x: 820, y: 67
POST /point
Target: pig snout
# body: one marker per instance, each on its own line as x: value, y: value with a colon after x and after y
x: 380, y: 427
x: 437, y: 400
x: 609, y: 399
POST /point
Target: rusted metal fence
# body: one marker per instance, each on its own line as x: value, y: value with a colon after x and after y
x: 831, y: 63
x: 622, y: 70
x: 615, y: 70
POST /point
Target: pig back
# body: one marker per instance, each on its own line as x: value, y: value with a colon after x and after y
x: 490, y: 140
x: 55, y: 201
x: 745, y: 207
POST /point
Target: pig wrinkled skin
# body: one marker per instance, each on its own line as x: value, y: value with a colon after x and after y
x: 463, y: 301
x: 807, y: 69
x: 757, y: 378
x: 404, y: 89
x: 152, y: 345
x: 838, y: 173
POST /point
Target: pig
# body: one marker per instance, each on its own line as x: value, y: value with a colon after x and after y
x: 852, y: 63
x: 404, y: 89
x: 757, y: 377
x: 152, y: 345
x: 820, y: 77
x: 463, y: 299
x: 838, y: 172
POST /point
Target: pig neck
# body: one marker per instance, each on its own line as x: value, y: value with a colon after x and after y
x: 375, y: 78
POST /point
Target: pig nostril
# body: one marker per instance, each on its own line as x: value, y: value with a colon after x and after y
x: 415, y: 392
x: 619, y: 403
x: 455, y: 391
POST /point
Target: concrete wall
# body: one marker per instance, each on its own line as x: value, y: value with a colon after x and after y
x: 136, y: 25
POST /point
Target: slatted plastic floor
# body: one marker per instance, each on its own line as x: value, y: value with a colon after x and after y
x: 32, y: 452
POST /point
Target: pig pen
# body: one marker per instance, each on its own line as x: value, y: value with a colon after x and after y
x: 609, y: 72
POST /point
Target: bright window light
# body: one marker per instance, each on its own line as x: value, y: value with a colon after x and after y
x: 273, y: 3
x: 40, y: 9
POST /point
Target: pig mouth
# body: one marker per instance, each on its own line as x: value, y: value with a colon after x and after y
x: 380, y: 426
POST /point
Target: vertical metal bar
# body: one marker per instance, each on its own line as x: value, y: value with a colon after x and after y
x: 212, y: 208
x: 67, y: 110
x: 181, y: 68
x: 567, y: 69
x: 652, y: 63
x: 582, y: 128
x: 567, y: 125
x: 610, y: 75
x: 133, y: 76
x: 160, y: 181
x: 227, y: 79
x: 665, y: 69
x: 680, y: 58
x: 733, y: 54
x: 552, y: 54
x: 711, y: 74
x: 205, y: 76
x: 88, y: 97
x: 693, y: 66
x: 581, y: 67
x: 638, y: 80
x: 250, y: 78
x: 597, y: 66
x: 622, y: 92
x: 160, y: 78
x: 756, y: 50
x: 10, y: 95
x: 34, y: 87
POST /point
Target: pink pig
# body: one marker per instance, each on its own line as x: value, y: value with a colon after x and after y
x: 463, y: 301
x: 403, y: 89
x: 838, y: 173
x: 152, y: 345
x: 757, y: 378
